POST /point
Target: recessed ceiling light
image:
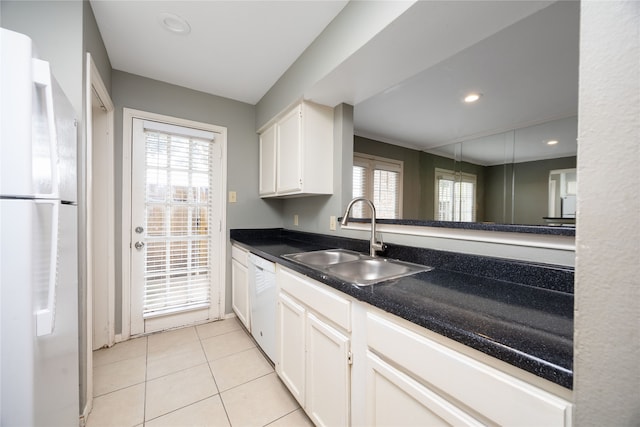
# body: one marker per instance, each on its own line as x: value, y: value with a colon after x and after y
x: 174, y: 23
x: 552, y: 142
x: 472, y: 97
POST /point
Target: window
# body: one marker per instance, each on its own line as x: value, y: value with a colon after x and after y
x: 379, y: 180
x: 455, y: 198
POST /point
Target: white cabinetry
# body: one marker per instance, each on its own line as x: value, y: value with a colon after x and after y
x: 413, y: 380
x: 296, y: 153
x: 314, y: 356
x: 268, y: 162
x: 240, y: 285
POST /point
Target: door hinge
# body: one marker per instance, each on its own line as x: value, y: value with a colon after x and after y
x: 350, y: 358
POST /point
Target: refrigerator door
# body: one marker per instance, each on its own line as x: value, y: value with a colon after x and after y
x: 39, y: 382
x: 56, y: 369
x: 28, y: 139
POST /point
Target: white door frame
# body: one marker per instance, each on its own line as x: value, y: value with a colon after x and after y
x: 128, y: 115
x: 94, y: 83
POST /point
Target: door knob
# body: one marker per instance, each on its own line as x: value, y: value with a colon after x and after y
x: 139, y: 245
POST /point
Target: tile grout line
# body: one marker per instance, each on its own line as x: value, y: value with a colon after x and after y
x: 224, y: 407
x: 285, y: 415
x: 144, y: 401
x: 201, y: 339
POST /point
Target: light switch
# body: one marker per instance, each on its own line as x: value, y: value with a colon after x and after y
x: 332, y: 223
x: 232, y: 196
x: 295, y: 219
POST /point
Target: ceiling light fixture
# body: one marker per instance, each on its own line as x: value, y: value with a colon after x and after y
x: 552, y: 142
x: 472, y: 97
x: 174, y: 23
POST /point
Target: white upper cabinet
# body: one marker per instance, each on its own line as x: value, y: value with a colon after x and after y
x: 268, y: 161
x: 296, y: 153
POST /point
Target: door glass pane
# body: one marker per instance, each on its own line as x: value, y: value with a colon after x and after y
x: 177, y: 268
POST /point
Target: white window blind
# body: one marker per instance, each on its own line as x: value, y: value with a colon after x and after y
x: 379, y: 180
x: 359, y: 189
x: 178, y: 180
x: 455, y: 196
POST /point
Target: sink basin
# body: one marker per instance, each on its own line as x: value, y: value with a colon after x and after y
x: 324, y: 258
x: 366, y: 272
x: 354, y: 267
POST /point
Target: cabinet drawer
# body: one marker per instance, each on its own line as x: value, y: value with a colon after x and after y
x: 239, y: 254
x: 317, y: 296
x: 501, y: 398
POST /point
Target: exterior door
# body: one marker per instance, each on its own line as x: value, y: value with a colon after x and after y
x: 176, y: 211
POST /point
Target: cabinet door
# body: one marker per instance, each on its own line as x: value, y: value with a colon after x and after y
x: 395, y: 399
x: 240, y: 292
x: 328, y: 374
x: 289, y: 152
x: 268, y: 161
x: 291, y: 346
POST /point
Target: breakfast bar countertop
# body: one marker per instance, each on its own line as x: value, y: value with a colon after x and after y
x: 518, y: 312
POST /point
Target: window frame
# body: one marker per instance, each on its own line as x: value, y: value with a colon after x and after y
x: 372, y: 163
x: 455, y: 176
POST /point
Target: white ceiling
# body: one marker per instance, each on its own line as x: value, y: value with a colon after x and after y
x: 521, y: 55
x: 236, y: 49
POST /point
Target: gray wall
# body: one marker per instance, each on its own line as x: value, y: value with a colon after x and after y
x: 94, y: 44
x: 354, y: 26
x: 56, y: 29
x: 607, y: 318
x: 250, y: 211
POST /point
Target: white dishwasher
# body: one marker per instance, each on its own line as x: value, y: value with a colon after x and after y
x: 263, y: 300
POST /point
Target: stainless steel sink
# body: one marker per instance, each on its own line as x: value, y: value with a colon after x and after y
x: 366, y: 272
x: 356, y: 268
x: 324, y: 258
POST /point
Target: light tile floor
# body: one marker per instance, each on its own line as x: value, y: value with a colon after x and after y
x: 207, y: 375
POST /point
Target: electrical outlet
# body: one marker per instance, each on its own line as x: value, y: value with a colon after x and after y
x: 295, y: 219
x: 232, y: 196
x: 332, y: 223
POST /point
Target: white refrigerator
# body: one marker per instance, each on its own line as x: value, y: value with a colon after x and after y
x: 38, y: 254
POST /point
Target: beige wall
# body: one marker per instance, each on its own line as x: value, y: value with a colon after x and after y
x: 607, y: 313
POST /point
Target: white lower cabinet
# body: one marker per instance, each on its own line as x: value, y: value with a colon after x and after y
x: 395, y: 399
x: 328, y: 374
x: 440, y: 386
x: 290, y: 338
x: 240, y: 285
x: 314, y: 348
x: 399, y: 374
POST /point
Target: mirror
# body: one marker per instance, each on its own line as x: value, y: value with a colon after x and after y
x: 489, y: 161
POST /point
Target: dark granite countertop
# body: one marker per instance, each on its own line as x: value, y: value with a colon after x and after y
x: 518, y: 312
x: 548, y: 229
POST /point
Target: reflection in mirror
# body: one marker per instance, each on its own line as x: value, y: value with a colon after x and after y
x: 502, y: 178
x: 490, y: 161
x: 563, y: 188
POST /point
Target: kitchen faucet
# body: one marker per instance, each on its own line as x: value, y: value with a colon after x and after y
x: 374, y: 245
